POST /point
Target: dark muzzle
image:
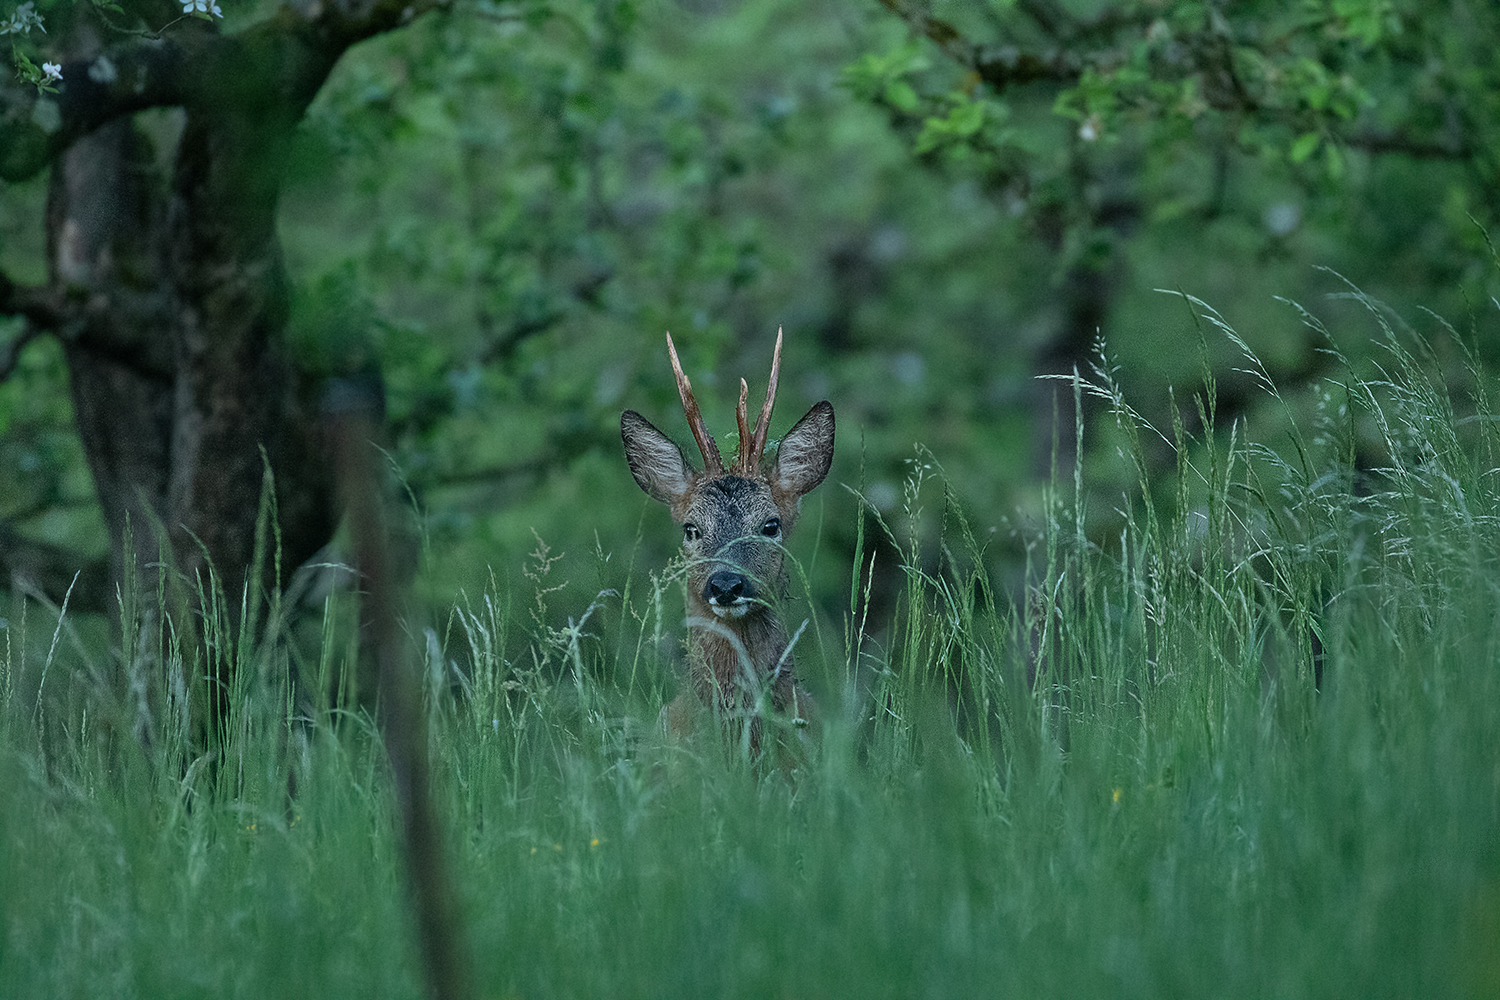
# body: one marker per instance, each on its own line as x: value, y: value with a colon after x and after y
x: 727, y: 587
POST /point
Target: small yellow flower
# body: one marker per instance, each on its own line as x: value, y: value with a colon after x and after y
x: 557, y: 847
x: 594, y: 842
x: 1117, y: 796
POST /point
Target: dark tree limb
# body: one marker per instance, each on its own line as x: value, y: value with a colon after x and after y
x: 1405, y: 144
x: 49, y: 569
x: 1048, y: 16
x: 338, y: 24
x: 89, y: 322
x: 352, y: 416
x: 1000, y: 66
x: 187, y: 65
x: 40, y: 305
x: 144, y: 73
x: 41, y: 308
x: 1081, y: 44
x: 1005, y: 66
x: 10, y: 354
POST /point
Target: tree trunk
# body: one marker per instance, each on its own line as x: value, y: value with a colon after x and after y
x: 182, y: 390
x: 170, y: 296
x: 179, y: 376
x: 104, y: 237
x: 240, y: 403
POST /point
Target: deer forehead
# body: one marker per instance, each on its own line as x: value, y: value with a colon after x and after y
x: 728, y: 506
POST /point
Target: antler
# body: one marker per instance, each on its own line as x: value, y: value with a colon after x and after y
x: 712, y: 463
x: 745, y: 464
x: 750, y: 455
x: 752, y: 443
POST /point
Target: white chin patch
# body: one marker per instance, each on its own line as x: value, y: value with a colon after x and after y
x: 735, y: 610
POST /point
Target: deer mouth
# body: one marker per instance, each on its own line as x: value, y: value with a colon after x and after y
x: 735, y: 609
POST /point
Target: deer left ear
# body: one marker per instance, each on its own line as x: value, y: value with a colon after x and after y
x: 806, y: 453
x: 655, y: 462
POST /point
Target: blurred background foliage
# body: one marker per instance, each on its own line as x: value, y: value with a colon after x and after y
x: 503, y: 206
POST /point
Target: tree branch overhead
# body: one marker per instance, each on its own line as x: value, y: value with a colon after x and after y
x: 193, y: 63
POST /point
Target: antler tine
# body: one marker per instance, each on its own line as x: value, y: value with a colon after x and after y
x: 745, y: 463
x: 712, y: 463
x: 763, y: 425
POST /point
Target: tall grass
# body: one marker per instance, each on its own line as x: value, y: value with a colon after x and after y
x: 1250, y: 746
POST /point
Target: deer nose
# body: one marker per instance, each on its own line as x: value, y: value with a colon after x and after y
x: 727, y: 587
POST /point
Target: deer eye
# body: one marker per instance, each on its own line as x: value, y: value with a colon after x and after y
x: 690, y: 532
x: 771, y: 528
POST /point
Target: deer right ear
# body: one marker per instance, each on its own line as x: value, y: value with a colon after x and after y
x: 806, y: 453
x: 655, y: 461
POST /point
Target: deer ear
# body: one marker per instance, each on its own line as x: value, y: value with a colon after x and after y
x: 806, y: 453
x: 656, y: 463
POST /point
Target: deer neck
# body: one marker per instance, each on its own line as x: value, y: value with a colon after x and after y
x: 721, y: 653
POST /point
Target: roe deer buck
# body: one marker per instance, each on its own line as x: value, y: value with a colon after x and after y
x: 734, y: 523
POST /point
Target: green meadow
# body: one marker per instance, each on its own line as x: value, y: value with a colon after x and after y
x: 1246, y: 745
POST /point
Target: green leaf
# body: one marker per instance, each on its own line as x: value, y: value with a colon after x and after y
x: 966, y: 119
x: 935, y: 132
x: 900, y: 94
x: 1333, y: 157
x: 863, y: 76
x: 1304, y: 147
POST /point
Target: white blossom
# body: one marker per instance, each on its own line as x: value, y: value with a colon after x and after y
x: 22, y: 21
x: 201, y: 7
x: 52, y: 72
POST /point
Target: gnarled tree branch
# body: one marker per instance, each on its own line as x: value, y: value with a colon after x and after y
x: 1445, y: 147
x: 1000, y: 66
x: 143, y: 73
x: 49, y: 569
x: 190, y: 64
x: 40, y: 305
x: 10, y: 354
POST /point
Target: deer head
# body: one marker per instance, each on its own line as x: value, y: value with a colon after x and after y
x: 734, y: 522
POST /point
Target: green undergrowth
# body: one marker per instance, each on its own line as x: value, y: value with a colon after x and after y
x: 1248, y: 747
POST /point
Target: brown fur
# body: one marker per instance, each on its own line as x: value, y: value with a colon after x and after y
x: 735, y: 526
